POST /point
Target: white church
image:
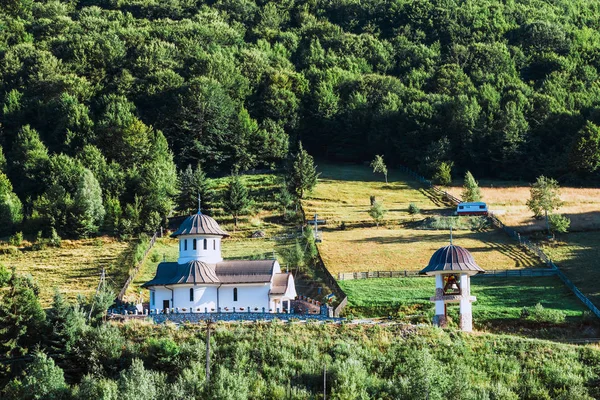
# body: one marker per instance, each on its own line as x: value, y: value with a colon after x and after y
x: 201, y: 281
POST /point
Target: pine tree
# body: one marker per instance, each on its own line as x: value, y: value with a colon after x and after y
x: 377, y: 212
x: 11, y: 209
x: 21, y: 315
x: 194, y: 182
x: 66, y: 322
x: 302, y: 175
x: 88, y: 211
x: 471, y: 190
x: 379, y: 166
x: 236, y: 198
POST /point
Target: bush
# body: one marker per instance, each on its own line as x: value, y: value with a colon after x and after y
x: 54, y: 240
x: 541, y: 314
x: 16, y: 239
x: 443, y: 174
x: 155, y: 257
x: 413, y: 209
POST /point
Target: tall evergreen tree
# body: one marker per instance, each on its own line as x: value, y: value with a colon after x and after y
x: 302, y: 173
x: 471, y: 190
x: 88, y: 211
x: 194, y: 182
x: 236, y: 200
x: 28, y: 163
x: 11, y: 209
x: 21, y: 315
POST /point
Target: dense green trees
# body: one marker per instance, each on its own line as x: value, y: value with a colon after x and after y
x: 134, y: 89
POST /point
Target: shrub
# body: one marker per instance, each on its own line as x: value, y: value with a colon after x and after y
x: 443, y: 174
x: 16, y: 239
x: 54, y: 240
x: 541, y: 314
x: 155, y: 257
x: 413, y: 209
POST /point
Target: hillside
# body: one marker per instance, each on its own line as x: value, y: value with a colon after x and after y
x: 289, y: 361
x: 404, y: 241
x: 102, y: 102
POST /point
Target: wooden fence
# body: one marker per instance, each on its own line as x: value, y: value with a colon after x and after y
x: 500, y: 273
x: 526, y: 243
x: 135, y: 270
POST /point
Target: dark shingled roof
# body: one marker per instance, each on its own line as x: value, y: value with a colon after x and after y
x: 452, y: 258
x: 239, y: 271
x: 199, y: 224
x: 280, y: 283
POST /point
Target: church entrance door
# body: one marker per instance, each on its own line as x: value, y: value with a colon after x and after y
x: 165, y: 305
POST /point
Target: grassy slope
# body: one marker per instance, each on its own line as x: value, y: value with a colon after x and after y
x: 342, y: 195
x: 498, y: 306
x: 578, y: 257
x: 74, y: 268
x: 508, y: 199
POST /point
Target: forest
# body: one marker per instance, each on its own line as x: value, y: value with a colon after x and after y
x: 105, y: 102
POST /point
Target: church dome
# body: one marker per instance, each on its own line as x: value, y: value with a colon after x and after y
x: 452, y: 259
x: 199, y: 224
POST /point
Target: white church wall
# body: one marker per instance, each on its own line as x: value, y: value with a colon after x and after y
x: 204, y: 297
x: 254, y: 296
x: 211, y: 255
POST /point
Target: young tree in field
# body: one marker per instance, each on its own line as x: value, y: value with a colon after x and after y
x: 558, y: 223
x: 193, y: 182
x: 302, y: 176
x: 236, y: 198
x: 471, y: 190
x: 545, y: 197
x: 379, y: 166
x: 377, y: 212
x: 443, y: 174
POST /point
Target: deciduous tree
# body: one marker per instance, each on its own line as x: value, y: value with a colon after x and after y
x: 545, y: 197
x: 379, y: 166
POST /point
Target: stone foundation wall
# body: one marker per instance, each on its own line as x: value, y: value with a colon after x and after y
x: 238, y: 316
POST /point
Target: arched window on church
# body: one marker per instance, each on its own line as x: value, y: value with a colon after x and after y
x: 214, y: 244
x: 194, y: 244
x: 205, y: 244
x: 185, y: 245
x: 191, y: 294
x: 234, y: 294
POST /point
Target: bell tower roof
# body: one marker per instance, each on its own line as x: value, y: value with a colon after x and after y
x: 199, y: 224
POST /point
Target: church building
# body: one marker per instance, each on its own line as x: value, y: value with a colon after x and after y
x: 201, y: 281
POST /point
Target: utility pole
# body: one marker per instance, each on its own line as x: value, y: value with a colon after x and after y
x: 325, y: 382
x: 100, y: 284
x: 208, y: 325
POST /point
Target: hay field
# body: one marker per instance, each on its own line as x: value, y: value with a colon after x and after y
x: 74, y: 268
x: 342, y: 195
x: 508, y: 200
x: 397, y: 249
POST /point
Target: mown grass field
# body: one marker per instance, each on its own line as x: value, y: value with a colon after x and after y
x: 499, y: 300
x: 342, y: 195
x: 578, y: 254
x: 74, y: 268
x: 508, y: 200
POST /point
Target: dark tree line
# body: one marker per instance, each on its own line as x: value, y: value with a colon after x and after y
x: 103, y: 101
